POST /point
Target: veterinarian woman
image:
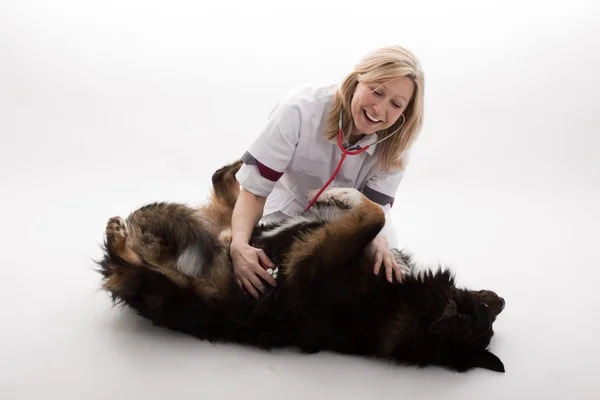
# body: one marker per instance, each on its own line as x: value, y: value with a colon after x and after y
x: 381, y: 100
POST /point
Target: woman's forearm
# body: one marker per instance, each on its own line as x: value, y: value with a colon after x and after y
x: 247, y: 212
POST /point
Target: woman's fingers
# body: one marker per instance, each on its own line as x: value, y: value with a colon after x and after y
x: 378, y: 260
x: 250, y: 288
x: 262, y: 271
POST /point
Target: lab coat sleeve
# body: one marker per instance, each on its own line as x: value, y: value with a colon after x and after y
x: 269, y: 155
x: 382, y: 187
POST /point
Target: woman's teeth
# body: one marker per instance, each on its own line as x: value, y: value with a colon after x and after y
x: 370, y: 118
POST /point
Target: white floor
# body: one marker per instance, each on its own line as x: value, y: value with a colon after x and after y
x: 503, y: 185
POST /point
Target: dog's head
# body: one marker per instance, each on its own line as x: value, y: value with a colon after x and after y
x: 464, y: 328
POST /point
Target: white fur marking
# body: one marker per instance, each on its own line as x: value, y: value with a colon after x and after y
x: 405, y: 269
x: 349, y: 196
x: 325, y: 213
x: 225, y: 234
x: 190, y: 262
x: 299, y: 219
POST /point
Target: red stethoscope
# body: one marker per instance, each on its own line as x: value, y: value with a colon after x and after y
x: 345, y: 152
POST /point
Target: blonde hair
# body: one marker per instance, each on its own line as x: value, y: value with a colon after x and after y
x: 378, y: 66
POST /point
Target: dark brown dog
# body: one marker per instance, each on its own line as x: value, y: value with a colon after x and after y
x: 171, y: 264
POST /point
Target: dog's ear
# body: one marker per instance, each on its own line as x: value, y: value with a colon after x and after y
x: 449, y: 321
x: 487, y: 360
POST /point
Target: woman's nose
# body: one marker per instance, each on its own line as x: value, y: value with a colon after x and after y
x: 378, y: 110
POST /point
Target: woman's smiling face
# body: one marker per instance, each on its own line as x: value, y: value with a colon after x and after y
x: 377, y: 106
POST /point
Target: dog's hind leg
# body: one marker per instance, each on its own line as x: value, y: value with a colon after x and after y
x: 161, y: 235
x: 117, y: 234
x: 338, y: 241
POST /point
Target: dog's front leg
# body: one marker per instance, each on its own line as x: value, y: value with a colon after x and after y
x: 340, y: 240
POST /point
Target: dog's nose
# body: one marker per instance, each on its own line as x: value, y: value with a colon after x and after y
x: 503, y: 303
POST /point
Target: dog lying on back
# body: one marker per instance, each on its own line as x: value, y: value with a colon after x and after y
x: 170, y: 263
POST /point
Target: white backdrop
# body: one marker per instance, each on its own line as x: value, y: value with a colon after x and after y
x: 107, y: 105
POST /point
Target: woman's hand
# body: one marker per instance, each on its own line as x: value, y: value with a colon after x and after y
x: 380, y: 252
x: 247, y: 268
x: 245, y: 258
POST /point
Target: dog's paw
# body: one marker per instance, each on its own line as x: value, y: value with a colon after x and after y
x: 116, y: 231
x: 227, y: 172
x: 339, y: 197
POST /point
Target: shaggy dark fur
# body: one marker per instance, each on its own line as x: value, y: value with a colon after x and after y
x: 326, y: 298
